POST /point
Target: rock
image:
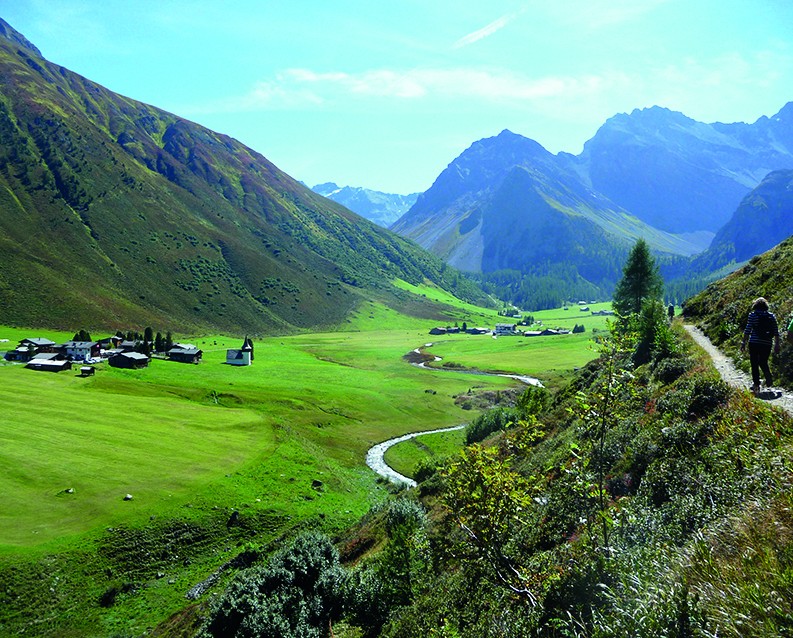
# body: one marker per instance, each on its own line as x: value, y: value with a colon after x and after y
x: 69, y: 490
x: 128, y: 497
x: 316, y: 484
x: 233, y: 519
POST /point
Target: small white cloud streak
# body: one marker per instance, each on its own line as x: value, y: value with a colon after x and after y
x: 487, y: 30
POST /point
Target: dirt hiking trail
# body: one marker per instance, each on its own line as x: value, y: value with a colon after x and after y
x: 774, y: 396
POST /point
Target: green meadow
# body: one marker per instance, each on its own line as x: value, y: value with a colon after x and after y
x: 281, y: 442
x: 541, y: 357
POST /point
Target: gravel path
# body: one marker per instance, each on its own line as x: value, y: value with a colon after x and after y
x: 736, y: 378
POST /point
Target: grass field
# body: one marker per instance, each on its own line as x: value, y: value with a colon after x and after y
x: 281, y: 442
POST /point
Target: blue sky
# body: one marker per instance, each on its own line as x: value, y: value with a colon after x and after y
x: 384, y: 94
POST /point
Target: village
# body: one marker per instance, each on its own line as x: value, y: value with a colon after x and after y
x: 39, y: 353
x: 513, y: 329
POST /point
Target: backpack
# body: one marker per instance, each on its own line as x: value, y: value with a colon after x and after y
x: 765, y: 328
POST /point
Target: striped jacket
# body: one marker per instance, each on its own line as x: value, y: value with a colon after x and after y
x: 757, y: 318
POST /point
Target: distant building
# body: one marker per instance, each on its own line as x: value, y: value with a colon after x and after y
x: 46, y: 364
x: 478, y: 331
x: 241, y: 357
x: 438, y: 331
x: 80, y: 350
x: 133, y: 360
x: 505, y: 329
x: 185, y: 355
x: 29, y: 348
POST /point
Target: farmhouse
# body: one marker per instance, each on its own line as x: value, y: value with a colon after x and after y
x: 241, y: 357
x: 185, y: 355
x: 80, y: 350
x: 132, y: 360
x: 47, y: 364
x: 505, y: 329
x: 28, y: 348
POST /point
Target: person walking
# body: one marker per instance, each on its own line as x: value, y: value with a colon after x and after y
x: 762, y: 332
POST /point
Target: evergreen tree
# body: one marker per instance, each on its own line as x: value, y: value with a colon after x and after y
x: 159, y: 343
x: 168, y: 341
x: 148, y: 334
x: 640, y: 280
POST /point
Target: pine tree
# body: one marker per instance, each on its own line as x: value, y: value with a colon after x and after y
x: 640, y: 280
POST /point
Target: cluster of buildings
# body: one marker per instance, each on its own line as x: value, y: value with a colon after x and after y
x: 39, y: 353
x: 501, y: 329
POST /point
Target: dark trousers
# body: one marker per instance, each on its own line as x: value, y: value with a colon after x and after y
x: 758, y: 357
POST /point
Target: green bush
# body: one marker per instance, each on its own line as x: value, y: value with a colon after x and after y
x: 491, y: 421
x: 295, y: 595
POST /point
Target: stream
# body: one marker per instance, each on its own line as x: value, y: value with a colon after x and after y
x: 375, y: 457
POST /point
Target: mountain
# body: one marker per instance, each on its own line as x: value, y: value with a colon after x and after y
x: 381, y: 208
x: 681, y: 175
x: 508, y: 203
x: 763, y: 219
x: 116, y: 213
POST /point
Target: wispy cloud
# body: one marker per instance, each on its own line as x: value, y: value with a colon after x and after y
x: 304, y: 88
x: 487, y: 30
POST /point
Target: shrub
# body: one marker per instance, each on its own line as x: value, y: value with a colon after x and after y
x: 491, y: 421
x: 671, y: 368
x: 297, y: 594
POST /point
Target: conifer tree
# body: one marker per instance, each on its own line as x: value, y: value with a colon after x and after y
x: 640, y: 280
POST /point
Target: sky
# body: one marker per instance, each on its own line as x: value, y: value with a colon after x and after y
x: 386, y: 93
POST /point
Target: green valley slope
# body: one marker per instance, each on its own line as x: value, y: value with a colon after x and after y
x: 115, y: 213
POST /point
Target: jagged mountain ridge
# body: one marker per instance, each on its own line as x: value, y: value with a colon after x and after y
x: 116, y: 213
x: 508, y: 203
x: 681, y: 175
x: 381, y: 208
x: 643, y: 157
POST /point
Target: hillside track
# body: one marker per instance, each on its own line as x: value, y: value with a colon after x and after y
x: 776, y: 396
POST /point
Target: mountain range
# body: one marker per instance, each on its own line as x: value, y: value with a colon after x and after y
x: 507, y: 204
x: 381, y: 208
x: 114, y: 213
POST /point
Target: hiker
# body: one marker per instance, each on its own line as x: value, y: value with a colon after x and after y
x: 762, y: 331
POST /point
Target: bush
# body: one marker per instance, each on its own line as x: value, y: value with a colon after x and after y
x: 671, y: 368
x: 296, y: 595
x: 491, y: 421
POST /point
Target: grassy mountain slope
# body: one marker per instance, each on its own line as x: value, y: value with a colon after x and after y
x: 507, y: 204
x: 113, y: 212
x: 722, y: 308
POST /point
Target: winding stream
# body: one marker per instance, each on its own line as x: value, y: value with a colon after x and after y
x: 375, y: 457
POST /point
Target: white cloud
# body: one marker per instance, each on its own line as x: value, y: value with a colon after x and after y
x: 487, y: 30
x: 295, y: 88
